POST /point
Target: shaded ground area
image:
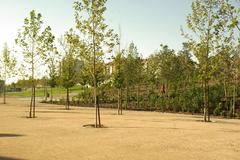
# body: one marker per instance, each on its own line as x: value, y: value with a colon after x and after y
x: 59, y: 134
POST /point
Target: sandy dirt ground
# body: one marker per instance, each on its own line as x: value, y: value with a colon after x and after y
x: 57, y: 134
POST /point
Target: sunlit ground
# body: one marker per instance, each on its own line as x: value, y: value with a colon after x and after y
x: 59, y: 134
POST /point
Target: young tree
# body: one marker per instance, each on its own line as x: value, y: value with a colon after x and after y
x: 232, y: 14
x: 118, y: 78
x: 52, y: 59
x: 203, y: 22
x: 168, y: 71
x: 69, y: 69
x: 118, y: 75
x: 8, y: 64
x: 187, y: 78
x: 89, y: 17
x: 34, y: 42
x: 132, y: 64
x: 68, y: 75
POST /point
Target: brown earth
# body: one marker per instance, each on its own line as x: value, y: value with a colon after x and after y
x: 57, y: 134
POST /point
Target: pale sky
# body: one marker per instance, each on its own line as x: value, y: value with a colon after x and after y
x: 147, y: 23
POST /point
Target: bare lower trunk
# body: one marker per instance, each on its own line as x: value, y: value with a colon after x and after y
x: 67, y: 99
x: 4, y: 93
x: 118, y: 101
x: 95, y: 105
x: 51, y: 99
x: 206, y: 105
x: 168, y: 95
x: 34, y: 100
x: 46, y: 93
x: 137, y: 96
x: 225, y: 94
x: 234, y: 100
x: 98, y: 110
x: 121, y: 101
x: 127, y: 92
x: 31, y: 103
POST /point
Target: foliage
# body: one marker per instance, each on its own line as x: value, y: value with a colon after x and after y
x: 8, y: 64
x: 89, y: 18
x: 35, y: 43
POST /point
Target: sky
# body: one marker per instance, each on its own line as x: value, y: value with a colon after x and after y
x: 147, y: 23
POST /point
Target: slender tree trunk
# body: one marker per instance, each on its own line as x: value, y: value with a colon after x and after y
x: 34, y: 99
x: 118, y: 101
x: 168, y: 96
x: 4, y: 85
x: 97, y: 108
x: 206, y: 69
x: 234, y: 101
x: 31, y: 103
x: 138, y: 96
x: 97, y: 114
x: 51, y: 95
x: 45, y: 94
x: 99, y: 118
x: 206, y: 110
x: 4, y: 92
x: 95, y: 105
x: 67, y: 100
x: 225, y: 93
x: 121, y: 101
x: 127, y: 92
x: 208, y: 105
x: 205, y: 101
x: 184, y: 99
x: 45, y: 91
x: 234, y: 96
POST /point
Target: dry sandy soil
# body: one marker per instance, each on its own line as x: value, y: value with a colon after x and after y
x: 57, y: 134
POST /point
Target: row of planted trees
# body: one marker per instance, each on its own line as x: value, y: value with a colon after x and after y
x: 82, y: 47
x: 170, y: 81
x: 207, y: 68
x: 202, y: 77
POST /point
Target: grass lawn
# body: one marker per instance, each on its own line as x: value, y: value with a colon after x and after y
x: 40, y: 92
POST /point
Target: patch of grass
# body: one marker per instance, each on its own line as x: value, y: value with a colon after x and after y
x: 40, y: 92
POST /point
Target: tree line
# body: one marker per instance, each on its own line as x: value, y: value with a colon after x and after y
x: 203, y: 77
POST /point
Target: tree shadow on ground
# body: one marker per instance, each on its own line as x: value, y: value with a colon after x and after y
x: 228, y: 122
x: 230, y: 131
x: 9, y: 158
x: 220, y: 122
x: 6, y: 135
x: 205, y: 121
x: 142, y: 127
x: 93, y: 126
x: 64, y: 111
x: 147, y: 127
